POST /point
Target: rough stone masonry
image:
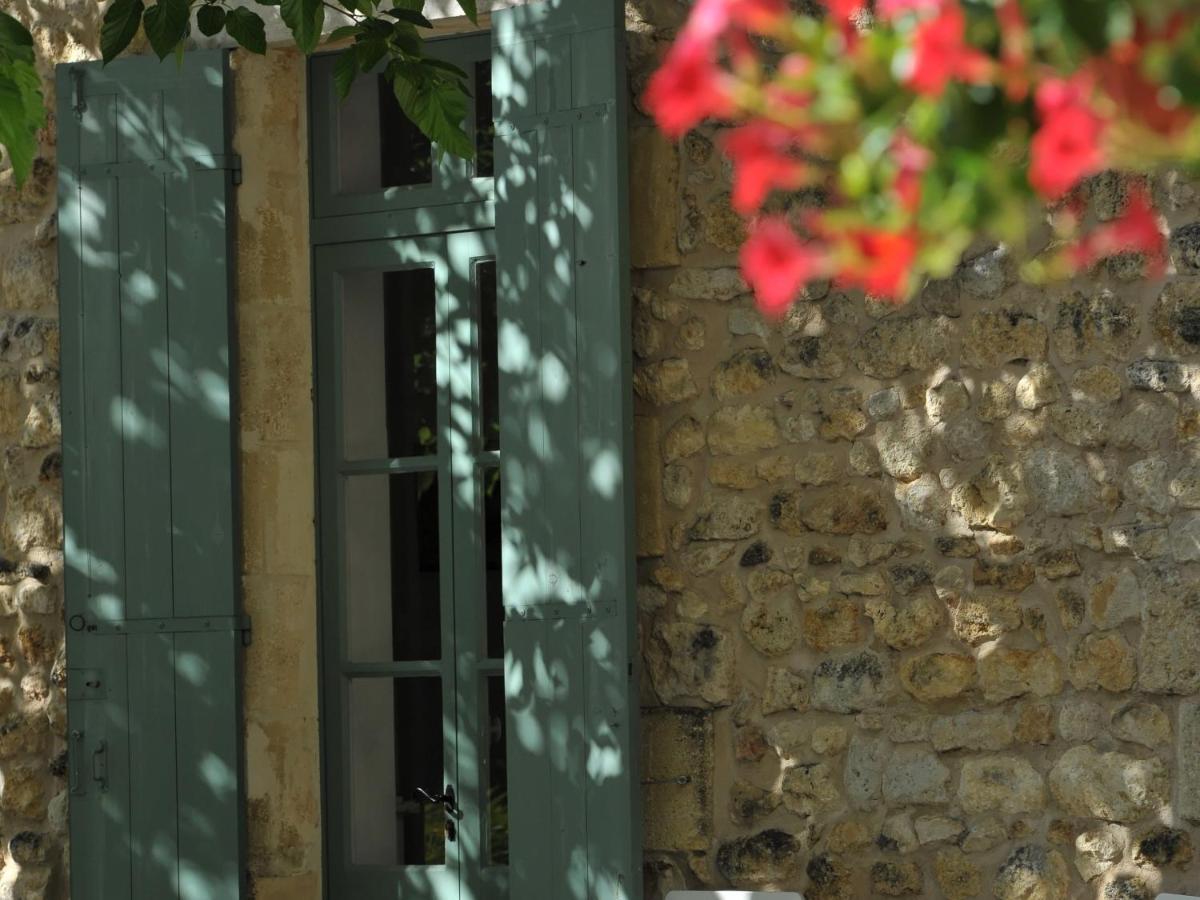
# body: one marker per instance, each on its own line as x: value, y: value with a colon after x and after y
x: 920, y: 585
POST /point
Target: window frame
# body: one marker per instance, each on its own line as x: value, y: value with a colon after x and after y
x: 406, y: 228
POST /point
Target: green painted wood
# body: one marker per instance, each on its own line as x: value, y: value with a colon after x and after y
x: 149, y: 514
x: 566, y: 451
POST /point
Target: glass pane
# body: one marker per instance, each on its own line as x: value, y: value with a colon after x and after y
x: 395, y: 748
x: 493, y: 580
x: 389, y: 364
x: 489, y: 370
x: 393, y: 569
x: 378, y: 146
x: 485, y: 126
x: 497, y: 774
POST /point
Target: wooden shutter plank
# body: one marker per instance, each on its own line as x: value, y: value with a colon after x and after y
x: 201, y: 397
x: 152, y: 740
x: 141, y: 402
x: 210, y: 787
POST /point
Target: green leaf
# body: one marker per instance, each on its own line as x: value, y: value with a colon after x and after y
x: 166, y: 23
x: 413, y: 17
x: 345, y: 70
x: 340, y: 34
x: 305, y: 19
x: 1088, y: 20
x: 406, y: 38
x: 446, y: 67
x: 120, y: 25
x: 22, y: 110
x: 268, y: 2
x: 247, y: 28
x: 1185, y: 67
x: 210, y: 19
x: 468, y: 7
x: 436, y: 106
x: 371, y: 49
x: 15, y: 40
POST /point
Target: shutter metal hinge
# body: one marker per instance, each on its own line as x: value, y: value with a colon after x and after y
x: 561, y: 117
x: 181, y: 625
x: 230, y: 162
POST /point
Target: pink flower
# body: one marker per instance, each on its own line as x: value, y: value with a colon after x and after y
x: 777, y: 264
x: 764, y: 159
x: 941, y: 53
x: 688, y: 88
x: 912, y: 159
x: 1136, y: 230
x: 710, y: 19
x: 1066, y: 148
x: 893, y: 9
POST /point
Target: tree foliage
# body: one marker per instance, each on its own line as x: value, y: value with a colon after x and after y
x: 433, y: 93
x: 874, y: 141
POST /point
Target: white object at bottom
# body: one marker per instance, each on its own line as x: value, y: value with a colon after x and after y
x: 738, y: 895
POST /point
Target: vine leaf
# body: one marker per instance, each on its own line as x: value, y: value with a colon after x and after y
x: 166, y: 24
x: 120, y: 24
x: 305, y: 19
x: 247, y: 28
x: 210, y: 20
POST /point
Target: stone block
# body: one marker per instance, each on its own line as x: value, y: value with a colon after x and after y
x: 677, y: 744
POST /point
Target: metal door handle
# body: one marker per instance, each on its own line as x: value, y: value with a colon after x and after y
x: 100, y: 765
x: 446, y: 800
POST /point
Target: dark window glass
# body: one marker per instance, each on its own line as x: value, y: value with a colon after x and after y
x: 389, y: 368
x: 485, y: 125
x: 405, y: 154
x: 393, y: 569
x: 396, y: 746
x: 489, y: 370
x: 492, y: 566
x: 497, y: 774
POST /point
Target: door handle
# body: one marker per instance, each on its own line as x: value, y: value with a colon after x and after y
x: 100, y: 765
x: 75, y: 757
x: 449, y: 805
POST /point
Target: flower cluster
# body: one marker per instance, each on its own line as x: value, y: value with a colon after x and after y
x: 922, y: 126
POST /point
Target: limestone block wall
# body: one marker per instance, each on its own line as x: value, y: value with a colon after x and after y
x: 920, y: 602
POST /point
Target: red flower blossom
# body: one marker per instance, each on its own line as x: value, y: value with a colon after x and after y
x: 940, y: 53
x: 688, y: 88
x: 846, y: 14
x: 912, y: 159
x: 880, y: 262
x: 1136, y: 230
x: 777, y: 264
x: 764, y: 158
x: 1067, y: 147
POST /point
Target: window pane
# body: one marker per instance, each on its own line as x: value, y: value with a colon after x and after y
x: 395, y: 748
x: 489, y: 371
x: 497, y: 774
x: 485, y: 126
x: 389, y: 364
x: 378, y: 146
x: 393, y: 569
x: 493, y: 579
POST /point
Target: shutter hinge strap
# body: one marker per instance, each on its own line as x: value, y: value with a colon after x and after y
x: 178, y: 625
x: 574, y: 116
x: 231, y: 163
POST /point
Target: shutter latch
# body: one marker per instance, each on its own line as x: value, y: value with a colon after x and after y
x: 78, y: 104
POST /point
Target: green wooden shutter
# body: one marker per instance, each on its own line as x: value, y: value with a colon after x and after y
x: 154, y: 635
x: 566, y: 439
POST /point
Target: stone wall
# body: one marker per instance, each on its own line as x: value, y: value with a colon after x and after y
x: 919, y: 602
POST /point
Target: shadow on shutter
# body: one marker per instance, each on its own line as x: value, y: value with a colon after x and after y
x: 566, y: 451
x: 154, y: 632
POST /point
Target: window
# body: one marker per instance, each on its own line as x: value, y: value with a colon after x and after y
x: 412, y: 615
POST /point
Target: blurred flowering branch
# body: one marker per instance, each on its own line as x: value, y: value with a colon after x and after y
x: 927, y: 125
